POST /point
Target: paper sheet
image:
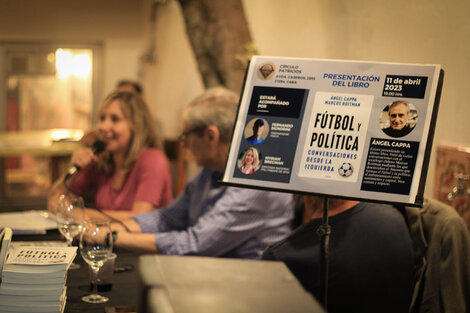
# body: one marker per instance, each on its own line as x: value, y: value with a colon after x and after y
x: 27, y: 222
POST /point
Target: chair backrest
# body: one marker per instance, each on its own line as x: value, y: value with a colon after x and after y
x: 181, y: 163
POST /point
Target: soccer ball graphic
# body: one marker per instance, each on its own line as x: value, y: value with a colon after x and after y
x: 346, y: 169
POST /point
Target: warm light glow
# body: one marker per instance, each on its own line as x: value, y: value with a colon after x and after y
x: 59, y: 134
x: 68, y: 63
x: 13, y: 82
x: 51, y: 57
x: 82, y: 65
x: 63, y: 61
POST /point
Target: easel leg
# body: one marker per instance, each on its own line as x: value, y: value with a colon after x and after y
x: 323, y: 232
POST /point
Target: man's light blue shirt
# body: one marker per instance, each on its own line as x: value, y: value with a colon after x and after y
x: 208, y: 219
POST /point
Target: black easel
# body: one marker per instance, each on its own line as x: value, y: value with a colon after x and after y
x: 323, y: 232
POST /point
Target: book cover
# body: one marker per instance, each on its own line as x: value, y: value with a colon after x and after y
x: 36, y: 255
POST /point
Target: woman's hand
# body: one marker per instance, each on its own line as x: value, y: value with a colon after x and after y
x: 83, y: 158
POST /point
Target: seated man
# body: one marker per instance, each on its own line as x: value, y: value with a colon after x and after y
x: 442, y: 253
x: 209, y: 219
x: 371, y: 256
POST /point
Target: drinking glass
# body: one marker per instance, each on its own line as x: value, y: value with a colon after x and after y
x: 96, y: 246
x: 70, y: 216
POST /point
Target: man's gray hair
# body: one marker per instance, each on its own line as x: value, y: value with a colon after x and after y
x: 398, y: 102
x: 216, y: 106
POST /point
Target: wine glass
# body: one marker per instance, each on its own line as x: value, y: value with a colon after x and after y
x: 96, y: 246
x: 70, y: 216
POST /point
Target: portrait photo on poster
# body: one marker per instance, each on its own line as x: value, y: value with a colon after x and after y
x: 249, y: 161
x: 256, y: 130
x: 398, y: 118
x: 266, y: 70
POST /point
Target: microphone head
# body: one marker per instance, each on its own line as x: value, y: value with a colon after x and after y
x: 98, y: 146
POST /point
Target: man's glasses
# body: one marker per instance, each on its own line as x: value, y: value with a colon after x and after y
x: 183, y: 135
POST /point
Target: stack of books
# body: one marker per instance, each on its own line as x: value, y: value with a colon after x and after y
x: 33, y: 279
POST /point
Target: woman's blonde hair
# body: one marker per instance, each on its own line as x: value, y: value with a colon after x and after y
x: 255, y: 158
x: 143, y: 131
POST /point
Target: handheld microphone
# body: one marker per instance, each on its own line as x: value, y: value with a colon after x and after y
x: 97, y: 147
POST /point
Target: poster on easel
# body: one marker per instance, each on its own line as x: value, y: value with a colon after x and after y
x: 350, y: 129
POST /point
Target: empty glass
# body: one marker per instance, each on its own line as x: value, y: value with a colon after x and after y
x: 96, y: 246
x: 70, y: 216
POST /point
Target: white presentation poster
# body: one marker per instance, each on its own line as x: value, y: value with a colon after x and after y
x: 350, y: 129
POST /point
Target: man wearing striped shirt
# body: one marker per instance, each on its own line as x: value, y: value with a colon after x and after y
x: 208, y: 219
